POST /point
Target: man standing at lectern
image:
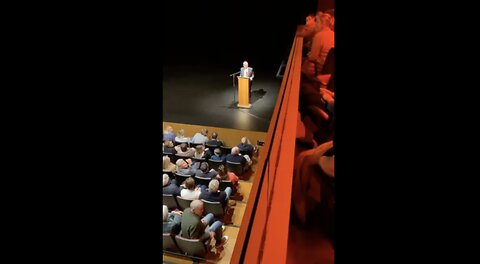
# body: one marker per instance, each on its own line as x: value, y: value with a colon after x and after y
x: 247, y: 72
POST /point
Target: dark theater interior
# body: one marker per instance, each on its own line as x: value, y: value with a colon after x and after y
x: 270, y: 160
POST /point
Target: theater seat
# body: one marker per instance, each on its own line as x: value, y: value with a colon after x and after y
x: 213, y: 164
x: 202, y: 180
x: 183, y: 203
x: 235, y: 167
x: 226, y: 150
x: 215, y: 208
x: 173, y: 157
x: 170, y: 174
x: 191, y: 247
x: 169, y: 243
x: 197, y: 160
x: 181, y: 178
x: 194, y: 145
x: 225, y: 184
x: 169, y: 201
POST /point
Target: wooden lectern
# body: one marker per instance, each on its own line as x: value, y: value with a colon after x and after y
x: 243, y: 90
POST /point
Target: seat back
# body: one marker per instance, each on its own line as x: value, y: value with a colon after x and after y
x: 225, y: 184
x: 169, y: 243
x: 202, y: 181
x: 226, y: 150
x: 216, y: 208
x: 173, y: 157
x: 183, y: 203
x: 170, y: 174
x: 170, y: 201
x: 176, y: 143
x: 191, y: 247
x: 235, y: 167
x: 211, y: 148
x: 329, y: 65
x: 197, y: 159
x: 213, y: 164
x: 194, y: 145
x: 181, y: 178
x: 244, y: 152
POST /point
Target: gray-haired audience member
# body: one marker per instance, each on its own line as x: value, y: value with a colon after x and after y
x: 170, y: 186
x: 171, y: 221
x: 185, y: 167
x: 213, y: 194
x: 195, y: 227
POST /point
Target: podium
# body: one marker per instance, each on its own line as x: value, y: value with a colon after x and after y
x: 243, y: 91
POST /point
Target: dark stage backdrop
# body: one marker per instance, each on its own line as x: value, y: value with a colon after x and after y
x: 224, y: 33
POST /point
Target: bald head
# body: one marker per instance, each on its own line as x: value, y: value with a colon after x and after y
x: 197, y: 207
x: 245, y: 64
x: 235, y: 151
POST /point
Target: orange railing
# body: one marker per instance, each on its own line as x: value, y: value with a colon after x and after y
x: 263, y: 234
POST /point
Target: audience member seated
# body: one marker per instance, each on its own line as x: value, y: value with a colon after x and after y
x: 168, y: 134
x: 308, y: 32
x: 246, y: 147
x: 184, y: 151
x: 185, y: 167
x: 217, y: 155
x: 214, y: 141
x: 213, y: 194
x: 169, y: 148
x: 322, y: 42
x: 168, y: 165
x: 170, y: 186
x: 171, y: 221
x: 200, y: 152
x: 195, y: 227
x: 223, y: 175
x: 204, y: 171
x: 235, y: 156
x: 313, y: 181
x: 317, y: 111
x: 181, y: 137
x: 331, y: 12
x: 200, y: 137
x: 189, y: 191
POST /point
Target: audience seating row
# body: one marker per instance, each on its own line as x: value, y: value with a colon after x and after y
x: 177, y: 202
x: 193, y: 248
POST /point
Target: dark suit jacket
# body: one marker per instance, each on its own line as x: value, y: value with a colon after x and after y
x: 237, y: 159
x: 214, y: 197
x: 173, y: 224
x: 216, y: 143
x: 247, y: 148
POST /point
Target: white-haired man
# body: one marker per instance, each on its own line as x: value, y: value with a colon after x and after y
x: 170, y: 186
x: 236, y: 157
x: 172, y: 221
x: 195, y: 227
x: 247, y: 72
x: 184, y: 166
x: 213, y: 194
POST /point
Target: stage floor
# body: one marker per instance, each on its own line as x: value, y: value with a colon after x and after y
x: 204, y: 95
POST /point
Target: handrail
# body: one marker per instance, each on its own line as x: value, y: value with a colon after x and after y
x: 268, y: 208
